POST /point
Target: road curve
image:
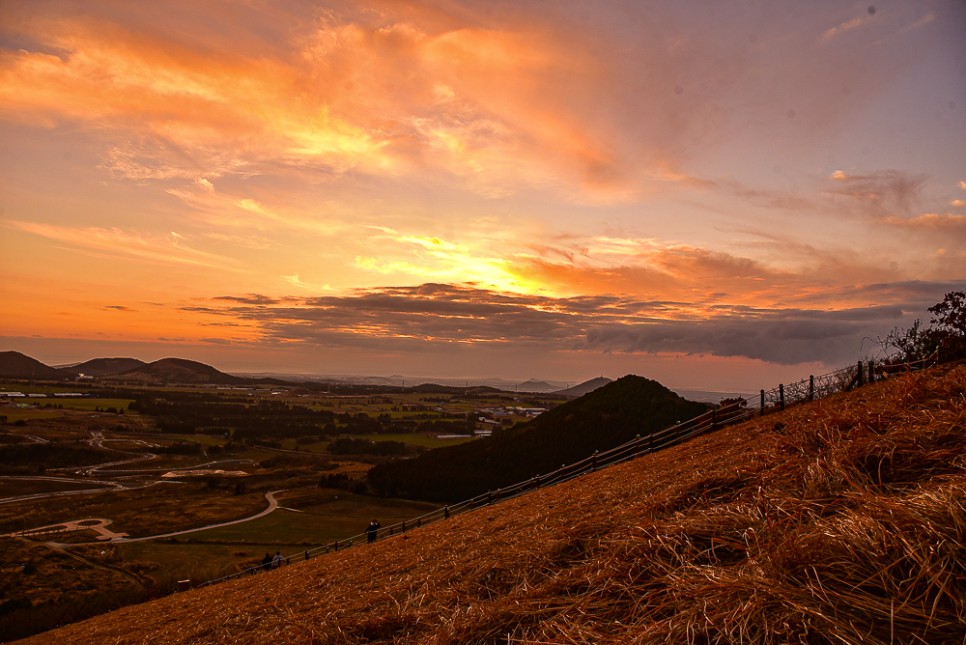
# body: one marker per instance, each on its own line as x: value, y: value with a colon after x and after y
x: 272, y: 505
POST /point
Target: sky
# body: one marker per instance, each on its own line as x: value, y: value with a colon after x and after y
x: 720, y: 195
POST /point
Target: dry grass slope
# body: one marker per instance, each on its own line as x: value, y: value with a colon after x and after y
x: 841, y: 521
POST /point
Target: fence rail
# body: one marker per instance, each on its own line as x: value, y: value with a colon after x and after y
x: 729, y: 412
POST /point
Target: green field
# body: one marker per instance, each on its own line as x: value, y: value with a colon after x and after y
x: 15, y: 414
x: 420, y: 439
x: 86, y: 404
x: 330, y: 515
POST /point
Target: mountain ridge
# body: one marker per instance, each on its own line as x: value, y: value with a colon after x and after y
x: 14, y: 364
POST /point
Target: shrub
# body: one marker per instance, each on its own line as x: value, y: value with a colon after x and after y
x: 945, y: 338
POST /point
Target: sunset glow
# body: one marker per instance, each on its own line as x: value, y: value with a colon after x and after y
x: 715, y: 195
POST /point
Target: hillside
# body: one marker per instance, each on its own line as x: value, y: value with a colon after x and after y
x: 839, y: 521
x: 104, y: 366
x: 602, y: 419
x: 584, y: 388
x: 179, y: 370
x: 21, y: 366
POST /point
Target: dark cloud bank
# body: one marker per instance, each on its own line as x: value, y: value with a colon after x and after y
x: 408, y: 318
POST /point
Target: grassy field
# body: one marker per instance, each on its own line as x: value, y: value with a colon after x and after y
x: 16, y: 487
x: 50, y: 408
x: 305, y: 520
x: 96, y: 578
x: 17, y: 413
x: 88, y: 404
x: 420, y: 439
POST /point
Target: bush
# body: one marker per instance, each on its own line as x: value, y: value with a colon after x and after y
x: 944, y: 339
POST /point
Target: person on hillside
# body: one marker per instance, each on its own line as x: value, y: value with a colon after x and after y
x: 267, y: 561
x: 372, y: 530
x: 277, y: 560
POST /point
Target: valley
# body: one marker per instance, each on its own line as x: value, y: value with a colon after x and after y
x: 114, y: 493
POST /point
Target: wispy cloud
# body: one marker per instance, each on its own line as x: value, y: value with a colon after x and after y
x: 170, y: 248
x: 882, y: 193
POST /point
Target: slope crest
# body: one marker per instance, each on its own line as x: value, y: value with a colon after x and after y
x: 16, y: 365
x: 179, y: 370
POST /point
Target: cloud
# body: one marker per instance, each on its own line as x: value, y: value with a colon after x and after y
x: 216, y: 341
x: 882, y: 193
x: 945, y: 223
x: 536, y: 98
x: 156, y: 248
x: 118, y: 308
x: 848, y: 25
x: 431, y: 315
x: 250, y: 299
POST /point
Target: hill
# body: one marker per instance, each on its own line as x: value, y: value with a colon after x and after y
x: 104, y: 366
x: 534, y: 385
x: 605, y: 418
x: 839, y: 521
x: 21, y: 366
x: 179, y: 370
x: 584, y: 388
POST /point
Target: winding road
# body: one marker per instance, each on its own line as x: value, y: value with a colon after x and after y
x: 99, y: 525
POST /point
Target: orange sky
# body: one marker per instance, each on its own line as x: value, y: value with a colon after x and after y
x: 714, y: 194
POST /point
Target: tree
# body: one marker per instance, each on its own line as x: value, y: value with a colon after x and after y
x: 949, y: 326
x: 945, y: 337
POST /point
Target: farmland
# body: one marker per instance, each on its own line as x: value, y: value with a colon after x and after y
x: 144, y: 462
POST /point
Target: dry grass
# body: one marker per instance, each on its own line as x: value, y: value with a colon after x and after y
x: 841, y: 521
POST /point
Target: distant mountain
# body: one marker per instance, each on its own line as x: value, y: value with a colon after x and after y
x: 104, y: 366
x: 535, y: 386
x: 181, y: 371
x: 585, y: 388
x: 602, y: 419
x: 17, y: 365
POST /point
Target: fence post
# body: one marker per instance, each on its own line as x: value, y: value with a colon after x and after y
x: 871, y: 371
x: 858, y: 375
x: 593, y: 465
x: 811, y: 387
x: 762, y: 403
x: 781, y: 395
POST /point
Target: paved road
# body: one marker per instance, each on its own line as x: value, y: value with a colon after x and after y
x: 104, y: 485
x: 97, y: 439
x: 272, y: 505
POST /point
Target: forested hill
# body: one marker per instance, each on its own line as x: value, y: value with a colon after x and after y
x: 602, y: 419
